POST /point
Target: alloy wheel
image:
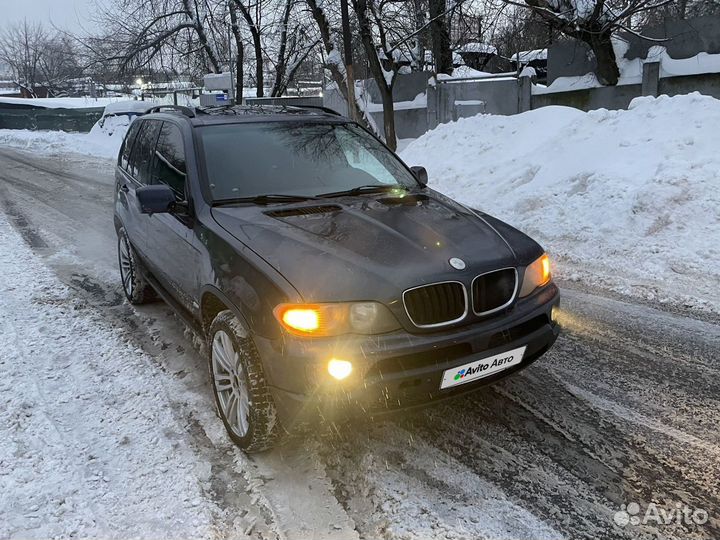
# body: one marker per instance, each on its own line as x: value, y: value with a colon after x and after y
x: 230, y: 383
x: 126, y: 266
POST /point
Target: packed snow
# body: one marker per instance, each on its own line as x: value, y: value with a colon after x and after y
x: 89, y: 446
x: 101, y: 141
x: 628, y: 200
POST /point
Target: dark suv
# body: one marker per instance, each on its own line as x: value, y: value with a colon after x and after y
x: 327, y: 278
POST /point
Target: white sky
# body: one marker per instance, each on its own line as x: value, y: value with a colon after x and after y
x: 66, y: 14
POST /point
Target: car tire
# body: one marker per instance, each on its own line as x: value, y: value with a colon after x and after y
x: 136, y: 289
x: 243, y: 399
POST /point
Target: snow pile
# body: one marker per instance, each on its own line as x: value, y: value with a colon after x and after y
x: 89, y: 445
x: 629, y: 200
x: 102, y: 141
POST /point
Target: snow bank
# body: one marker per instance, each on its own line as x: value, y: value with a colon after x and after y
x: 629, y: 200
x: 61, y: 103
x: 102, y: 141
x: 89, y: 445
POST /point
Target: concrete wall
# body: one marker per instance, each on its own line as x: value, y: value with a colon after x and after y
x: 608, y: 97
x: 406, y: 87
x: 706, y: 83
x: 409, y: 123
x: 685, y: 39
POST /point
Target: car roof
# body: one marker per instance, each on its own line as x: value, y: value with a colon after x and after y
x: 234, y: 114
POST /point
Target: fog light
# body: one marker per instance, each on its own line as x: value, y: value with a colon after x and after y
x: 339, y: 369
x: 554, y: 314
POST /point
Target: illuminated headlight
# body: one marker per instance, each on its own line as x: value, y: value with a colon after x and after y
x: 339, y: 369
x: 334, y: 319
x: 537, y: 274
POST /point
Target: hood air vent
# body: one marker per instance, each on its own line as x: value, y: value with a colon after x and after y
x: 304, y: 211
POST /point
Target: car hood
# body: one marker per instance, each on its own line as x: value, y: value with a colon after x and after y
x: 368, y: 247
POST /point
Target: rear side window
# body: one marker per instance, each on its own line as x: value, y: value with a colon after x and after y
x: 128, y: 144
x: 143, y: 151
x: 169, y: 163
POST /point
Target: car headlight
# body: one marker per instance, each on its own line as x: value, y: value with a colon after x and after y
x: 334, y: 319
x: 537, y: 274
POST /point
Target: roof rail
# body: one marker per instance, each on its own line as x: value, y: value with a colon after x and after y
x: 187, y: 111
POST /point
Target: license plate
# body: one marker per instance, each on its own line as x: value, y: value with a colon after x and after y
x: 478, y: 369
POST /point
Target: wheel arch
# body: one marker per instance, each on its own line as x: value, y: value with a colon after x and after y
x: 212, y: 302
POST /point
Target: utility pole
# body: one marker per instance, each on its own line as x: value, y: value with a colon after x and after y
x: 347, y: 46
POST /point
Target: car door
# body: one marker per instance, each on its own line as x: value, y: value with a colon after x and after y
x: 134, y: 175
x: 171, y: 235
x: 126, y: 203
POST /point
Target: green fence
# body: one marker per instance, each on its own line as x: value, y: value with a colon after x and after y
x: 33, y: 118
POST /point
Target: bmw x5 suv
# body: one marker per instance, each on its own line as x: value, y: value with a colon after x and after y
x: 327, y: 278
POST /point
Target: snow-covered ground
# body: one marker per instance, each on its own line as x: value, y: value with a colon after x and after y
x: 628, y: 200
x: 81, y: 452
x: 100, y: 141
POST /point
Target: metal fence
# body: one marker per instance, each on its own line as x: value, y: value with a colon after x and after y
x: 24, y: 117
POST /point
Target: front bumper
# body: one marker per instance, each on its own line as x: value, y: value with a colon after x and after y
x: 399, y: 370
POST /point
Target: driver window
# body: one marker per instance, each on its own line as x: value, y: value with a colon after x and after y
x: 169, y: 164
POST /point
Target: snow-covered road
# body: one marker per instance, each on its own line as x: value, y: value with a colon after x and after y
x: 107, y: 426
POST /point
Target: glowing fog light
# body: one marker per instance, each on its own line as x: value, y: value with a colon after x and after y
x: 339, y: 369
x: 554, y: 314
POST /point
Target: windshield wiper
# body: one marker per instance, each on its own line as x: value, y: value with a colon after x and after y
x: 268, y: 198
x: 370, y: 188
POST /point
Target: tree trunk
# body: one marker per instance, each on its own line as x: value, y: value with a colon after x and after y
x: 607, y: 68
x: 257, y: 46
x: 361, y: 10
x: 281, y: 64
x: 240, y: 59
x: 440, y: 37
x: 324, y: 27
x: 389, y: 117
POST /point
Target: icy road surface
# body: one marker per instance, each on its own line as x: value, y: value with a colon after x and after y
x: 107, y: 427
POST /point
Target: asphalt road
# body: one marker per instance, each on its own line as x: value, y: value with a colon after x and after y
x: 620, y: 421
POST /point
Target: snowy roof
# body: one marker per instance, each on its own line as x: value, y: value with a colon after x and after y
x: 128, y: 106
x: 529, y: 56
x: 476, y: 47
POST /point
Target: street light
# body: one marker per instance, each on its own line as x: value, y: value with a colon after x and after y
x: 139, y: 81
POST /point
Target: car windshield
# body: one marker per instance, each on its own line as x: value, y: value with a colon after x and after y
x: 303, y: 159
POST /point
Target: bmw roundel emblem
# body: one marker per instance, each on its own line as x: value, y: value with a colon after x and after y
x: 457, y: 264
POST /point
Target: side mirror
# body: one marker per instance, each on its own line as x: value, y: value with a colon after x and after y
x: 420, y: 175
x: 157, y: 199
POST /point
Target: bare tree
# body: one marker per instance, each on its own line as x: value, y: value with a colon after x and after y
x: 593, y: 22
x: 371, y: 22
x: 21, y: 48
x: 37, y: 57
x: 329, y: 37
x: 253, y: 23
